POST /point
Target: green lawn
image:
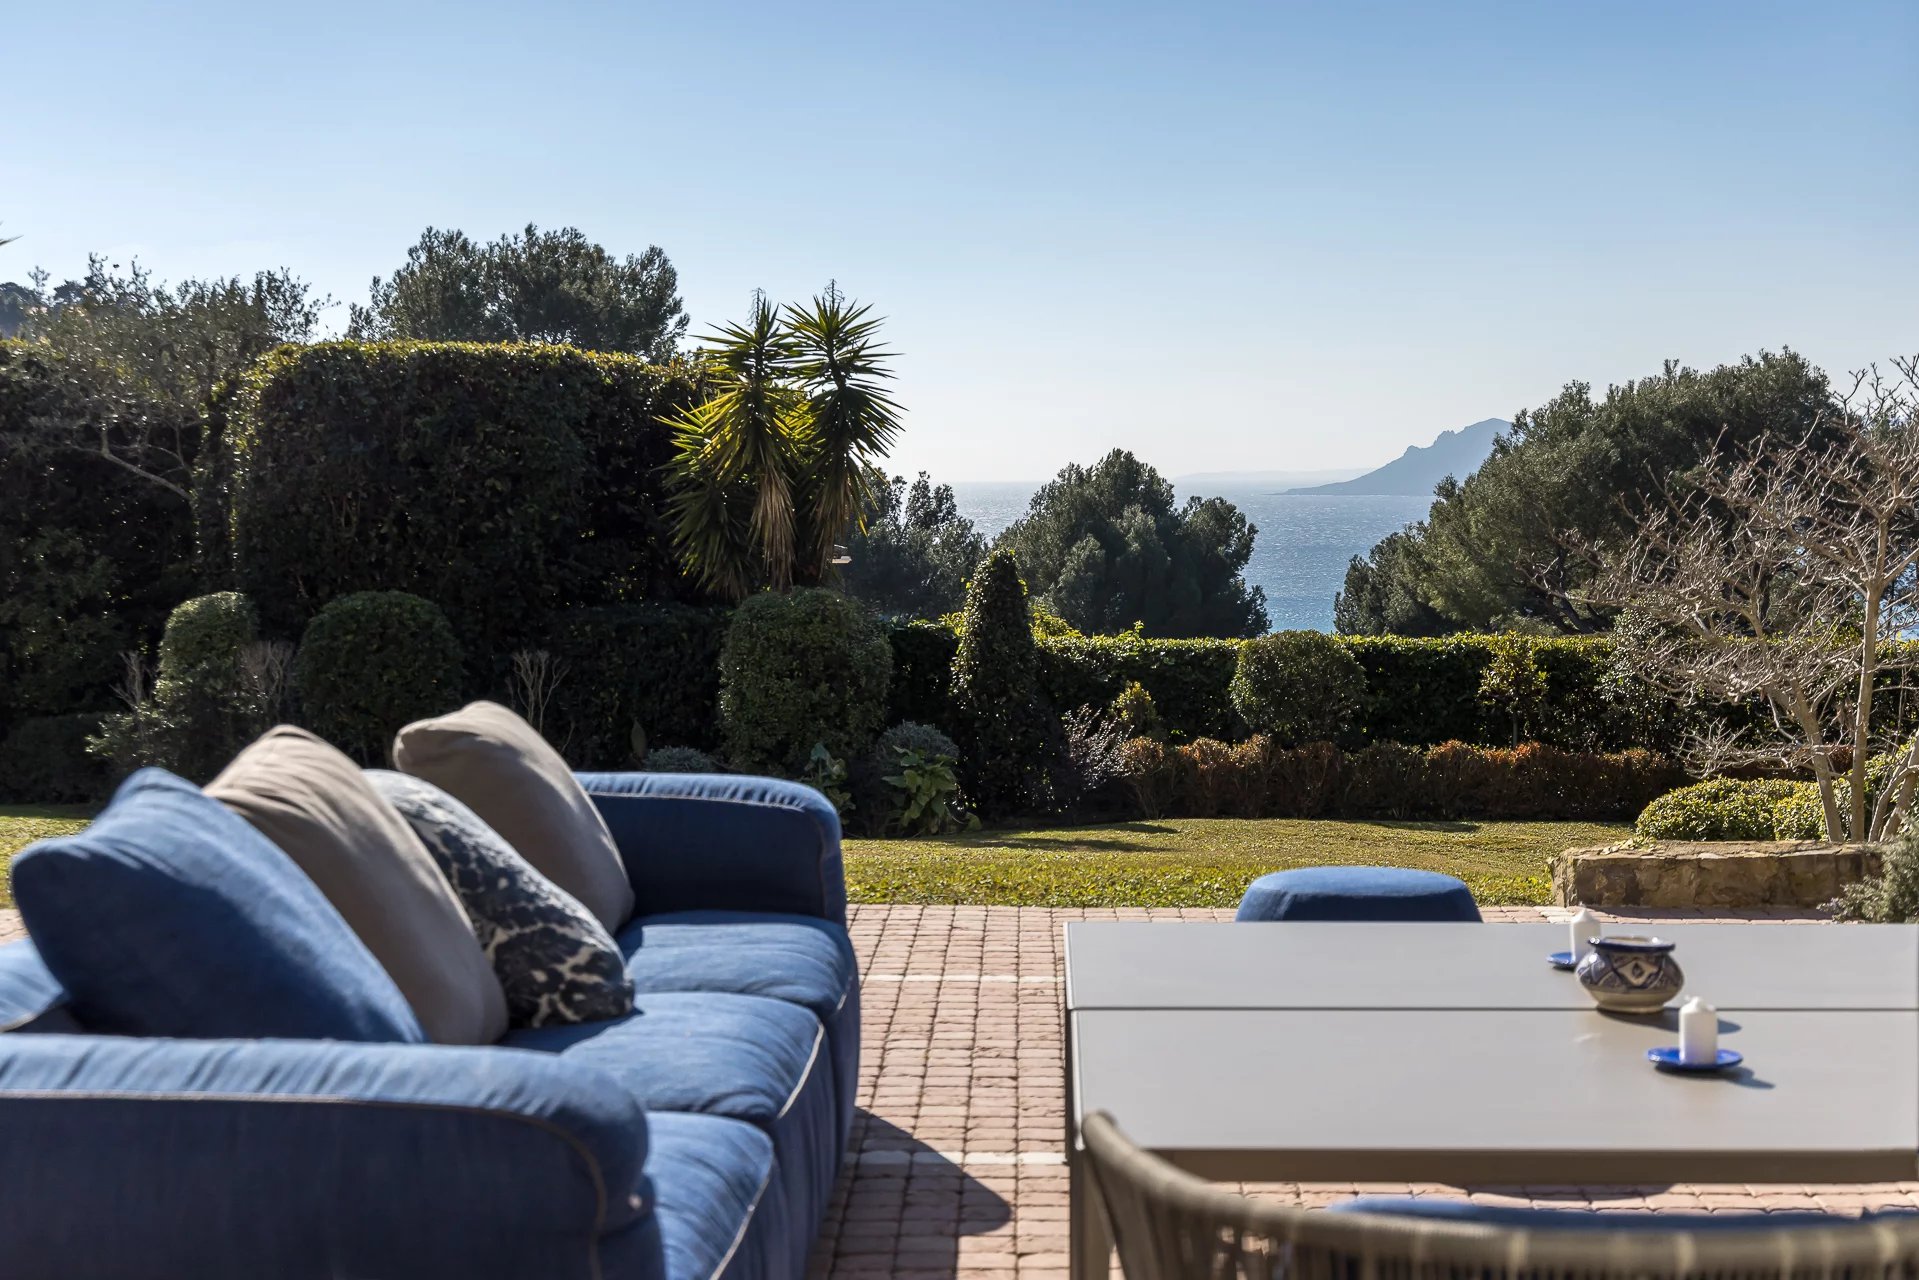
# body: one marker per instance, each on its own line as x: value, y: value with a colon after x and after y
x: 1176, y: 862
x: 1201, y: 862
x: 22, y: 824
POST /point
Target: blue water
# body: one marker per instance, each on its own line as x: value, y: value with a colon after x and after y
x: 1299, y: 556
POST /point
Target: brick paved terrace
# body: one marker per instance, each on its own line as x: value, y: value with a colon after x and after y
x: 957, y: 1166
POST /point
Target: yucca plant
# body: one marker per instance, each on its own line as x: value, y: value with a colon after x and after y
x: 772, y: 469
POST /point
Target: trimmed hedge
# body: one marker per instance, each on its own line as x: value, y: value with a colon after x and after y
x: 1189, y: 679
x: 502, y: 481
x: 1258, y: 778
x: 45, y: 760
x: 654, y: 666
x: 1418, y: 691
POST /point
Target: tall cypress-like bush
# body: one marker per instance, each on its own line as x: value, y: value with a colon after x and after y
x: 1007, y: 735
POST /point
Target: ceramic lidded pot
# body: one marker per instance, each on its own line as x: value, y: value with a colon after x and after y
x: 1629, y: 974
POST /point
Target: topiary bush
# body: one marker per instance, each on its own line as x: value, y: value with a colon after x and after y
x: 679, y: 760
x: 372, y: 662
x: 1007, y: 733
x: 805, y: 668
x: 206, y: 631
x: 1717, y: 809
x: 205, y: 701
x: 1298, y: 686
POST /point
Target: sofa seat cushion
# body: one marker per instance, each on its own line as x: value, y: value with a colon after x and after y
x: 170, y: 916
x: 799, y: 959
x: 802, y: 960
x: 554, y: 960
x: 718, y: 1212
x: 759, y: 1061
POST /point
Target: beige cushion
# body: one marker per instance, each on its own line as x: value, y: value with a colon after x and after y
x: 313, y: 802
x: 497, y: 765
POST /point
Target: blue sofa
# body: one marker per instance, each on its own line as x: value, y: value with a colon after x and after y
x: 696, y: 1139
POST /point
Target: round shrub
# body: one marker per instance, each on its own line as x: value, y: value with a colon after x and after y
x: 910, y: 735
x: 1717, y: 809
x: 679, y: 760
x: 803, y: 668
x: 207, y: 630
x: 1002, y: 723
x: 1298, y: 686
x: 371, y: 662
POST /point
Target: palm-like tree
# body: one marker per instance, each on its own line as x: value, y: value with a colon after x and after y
x: 773, y: 468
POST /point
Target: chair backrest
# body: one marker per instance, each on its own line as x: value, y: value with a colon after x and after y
x: 1170, y: 1225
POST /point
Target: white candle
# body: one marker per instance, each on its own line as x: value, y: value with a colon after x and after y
x: 1585, y: 928
x: 1698, y: 1033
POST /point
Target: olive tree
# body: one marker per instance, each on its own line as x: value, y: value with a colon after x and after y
x: 1785, y: 572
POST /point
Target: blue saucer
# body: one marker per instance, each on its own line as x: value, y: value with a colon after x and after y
x: 1562, y: 960
x: 1666, y: 1058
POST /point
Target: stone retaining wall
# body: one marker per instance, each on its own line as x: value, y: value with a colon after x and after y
x: 1731, y: 875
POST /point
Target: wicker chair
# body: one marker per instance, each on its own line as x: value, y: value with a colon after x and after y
x: 1170, y: 1225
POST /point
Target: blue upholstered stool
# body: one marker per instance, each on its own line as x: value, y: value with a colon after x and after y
x: 1358, y: 893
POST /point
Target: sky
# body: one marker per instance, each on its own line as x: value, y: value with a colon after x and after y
x: 1225, y: 236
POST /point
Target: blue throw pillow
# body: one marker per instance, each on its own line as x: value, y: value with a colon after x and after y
x: 171, y: 916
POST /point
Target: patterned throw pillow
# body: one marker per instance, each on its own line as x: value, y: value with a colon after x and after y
x: 556, y: 962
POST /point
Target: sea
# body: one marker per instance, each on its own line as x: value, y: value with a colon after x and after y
x: 1299, y: 555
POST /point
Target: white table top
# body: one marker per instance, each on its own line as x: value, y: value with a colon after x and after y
x: 1427, y: 1052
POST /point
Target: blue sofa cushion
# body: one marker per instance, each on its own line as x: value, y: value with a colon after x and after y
x: 555, y: 961
x: 717, y: 1207
x: 800, y: 959
x: 760, y: 1061
x: 1518, y: 1216
x: 171, y: 916
x: 31, y: 998
x: 1358, y: 893
x: 803, y: 960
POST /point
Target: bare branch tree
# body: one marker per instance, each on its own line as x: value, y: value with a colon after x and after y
x: 1790, y: 573
x: 536, y: 676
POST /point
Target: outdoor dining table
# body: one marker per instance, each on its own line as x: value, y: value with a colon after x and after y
x: 1454, y: 1053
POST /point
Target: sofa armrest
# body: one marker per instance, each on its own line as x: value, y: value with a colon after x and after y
x: 229, y: 1158
x: 698, y: 841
